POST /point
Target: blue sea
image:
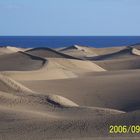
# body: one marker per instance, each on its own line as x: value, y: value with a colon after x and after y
x: 64, y: 41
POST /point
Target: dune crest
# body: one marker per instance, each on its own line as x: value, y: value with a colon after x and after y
x: 136, y: 51
x: 14, y: 49
x: 78, y: 51
x: 8, y: 50
x: 56, y: 68
x: 48, y: 53
x: 76, y: 47
x: 13, y: 85
x: 60, y: 101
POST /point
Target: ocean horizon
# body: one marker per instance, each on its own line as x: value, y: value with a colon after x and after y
x: 65, y: 41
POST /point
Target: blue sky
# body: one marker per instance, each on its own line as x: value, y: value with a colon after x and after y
x: 70, y: 17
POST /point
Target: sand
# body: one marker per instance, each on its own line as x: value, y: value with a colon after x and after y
x: 20, y: 61
x: 83, y: 52
x: 72, y: 93
x: 10, y: 49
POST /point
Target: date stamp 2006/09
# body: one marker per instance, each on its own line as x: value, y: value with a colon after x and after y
x: 124, y: 129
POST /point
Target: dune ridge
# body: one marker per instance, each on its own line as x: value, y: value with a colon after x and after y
x: 13, y: 85
x: 84, y: 52
x: 124, y: 53
x: 10, y: 49
x: 19, y: 89
x: 20, y: 61
x: 76, y: 47
x: 78, y: 51
x: 56, y: 68
x: 136, y: 51
x: 49, y: 53
x: 14, y: 49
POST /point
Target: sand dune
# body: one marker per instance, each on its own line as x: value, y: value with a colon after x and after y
x: 83, y: 51
x: 32, y: 117
x: 110, y: 90
x: 58, y: 94
x: 76, y: 47
x: 49, y: 53
x: 36, y: 125
x: 56, y: 68
x: 136, y: 51
x: 78, y: 51
x: 20, y: 61
x: 125, y: 53
x: 127, y: 58
x: 37, y: 112
x: 108, y: 50
x: 4, y: 50
x: 9, y: 85
x: 9, y: 49
x: 120, y: 64
x: 15, y: 49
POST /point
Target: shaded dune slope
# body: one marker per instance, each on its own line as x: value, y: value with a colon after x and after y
x: 128, y: 58
x: 20, y: 61
x: 56, y: 68
x: 84, y: 51
x: 76, y: 48
x: 108, y: 50
x: 120, y: 64
x: 49, y: 53
x: 125, y: 53
x: 78, y: 51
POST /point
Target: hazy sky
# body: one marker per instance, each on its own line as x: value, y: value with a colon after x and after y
x: 69, y: 17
